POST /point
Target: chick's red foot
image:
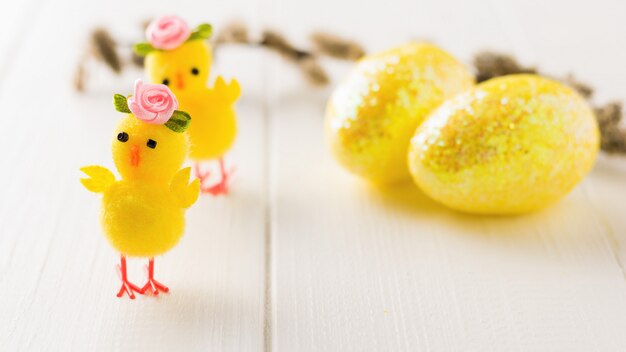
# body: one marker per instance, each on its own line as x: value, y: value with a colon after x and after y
x: 201, y: 175
x: 127, y: 287
x: 217, y: 189
x: 222, y: 186
x: 152, y: 285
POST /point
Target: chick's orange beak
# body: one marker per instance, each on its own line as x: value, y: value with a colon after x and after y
x: 180, y: 83
x: 134, y: 155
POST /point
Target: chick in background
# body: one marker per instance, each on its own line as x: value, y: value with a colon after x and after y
x: 181, y: 59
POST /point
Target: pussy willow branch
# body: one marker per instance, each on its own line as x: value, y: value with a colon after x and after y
x: 324, y: 44
x: 103, y: 48
x: 486, y: 65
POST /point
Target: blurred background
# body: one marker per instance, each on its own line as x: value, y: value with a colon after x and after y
x: 301, y: 256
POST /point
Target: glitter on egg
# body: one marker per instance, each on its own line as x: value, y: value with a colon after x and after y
x: 505, y: 158
x: 384, y: 98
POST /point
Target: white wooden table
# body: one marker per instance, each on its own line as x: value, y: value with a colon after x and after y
x: 302, y: 256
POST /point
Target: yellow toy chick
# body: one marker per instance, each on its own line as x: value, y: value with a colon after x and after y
x: 181, y: 59
x: 143, y: 214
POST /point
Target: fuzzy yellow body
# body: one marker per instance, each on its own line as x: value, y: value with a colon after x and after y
x: 510, y: 145
x: 372, y: 115
x: 143, y: 213
x: 186, y: 70
x: 213, y: 134
x: 141, y: 219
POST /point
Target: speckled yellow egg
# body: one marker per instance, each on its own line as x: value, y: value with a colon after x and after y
x: 510, y: 145
x: 372, y: 115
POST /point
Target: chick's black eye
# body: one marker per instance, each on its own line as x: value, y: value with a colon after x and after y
x: 166, y: 82
x: 195, y: 71
x: 122, y: 137
x: 151, y: 143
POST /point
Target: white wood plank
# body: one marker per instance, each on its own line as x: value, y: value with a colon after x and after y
x: 57, y: 276
x: 357, y: 269
x: 606, y: 190
x: 16, y: 19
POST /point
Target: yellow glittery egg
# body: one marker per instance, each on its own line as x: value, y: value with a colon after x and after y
x: 372, y: 115
x: 510, y: 145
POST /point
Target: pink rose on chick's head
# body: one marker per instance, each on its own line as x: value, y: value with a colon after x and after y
x: 152, y: 103
x: 167, y: 32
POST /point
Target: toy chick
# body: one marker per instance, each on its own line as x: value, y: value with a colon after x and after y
x: 180, y: 58
x: 143, y: 214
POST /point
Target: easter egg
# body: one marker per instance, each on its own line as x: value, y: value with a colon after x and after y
x: 509, y: 145
x: 372, y: 115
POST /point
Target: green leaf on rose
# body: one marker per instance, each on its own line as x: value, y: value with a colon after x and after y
x: 121, y: 103
x: 203, y: 31
x: 143, y: 49
x: 179, y: 121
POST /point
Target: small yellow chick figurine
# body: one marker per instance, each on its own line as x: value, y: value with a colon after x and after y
x: 143, y: 214
x: 181, y: 59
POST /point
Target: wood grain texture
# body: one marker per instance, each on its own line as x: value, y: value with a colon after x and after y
x: 302, y: 256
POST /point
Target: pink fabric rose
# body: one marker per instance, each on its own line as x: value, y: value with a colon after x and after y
x: 152, y: 103
x: 167, y: 32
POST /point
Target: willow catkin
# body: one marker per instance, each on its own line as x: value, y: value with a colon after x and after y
x: 277, y: 42
x: 79, y: 78
x: 105, y: 49
x: 613, y: 137
x: 336, y: 47
x: 490, y: 64
x: 234, y: 32
x: 137, y: 60
x: 313, y: 72
x: 584, y: 89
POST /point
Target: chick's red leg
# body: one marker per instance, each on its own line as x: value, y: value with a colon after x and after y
x: 154, y: 286
x: 127, y: 286
x: 222, y: 186
x: 201, y: 175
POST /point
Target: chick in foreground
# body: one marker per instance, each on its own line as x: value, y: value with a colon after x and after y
x: 181, y: 59
x: 143, y: 213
